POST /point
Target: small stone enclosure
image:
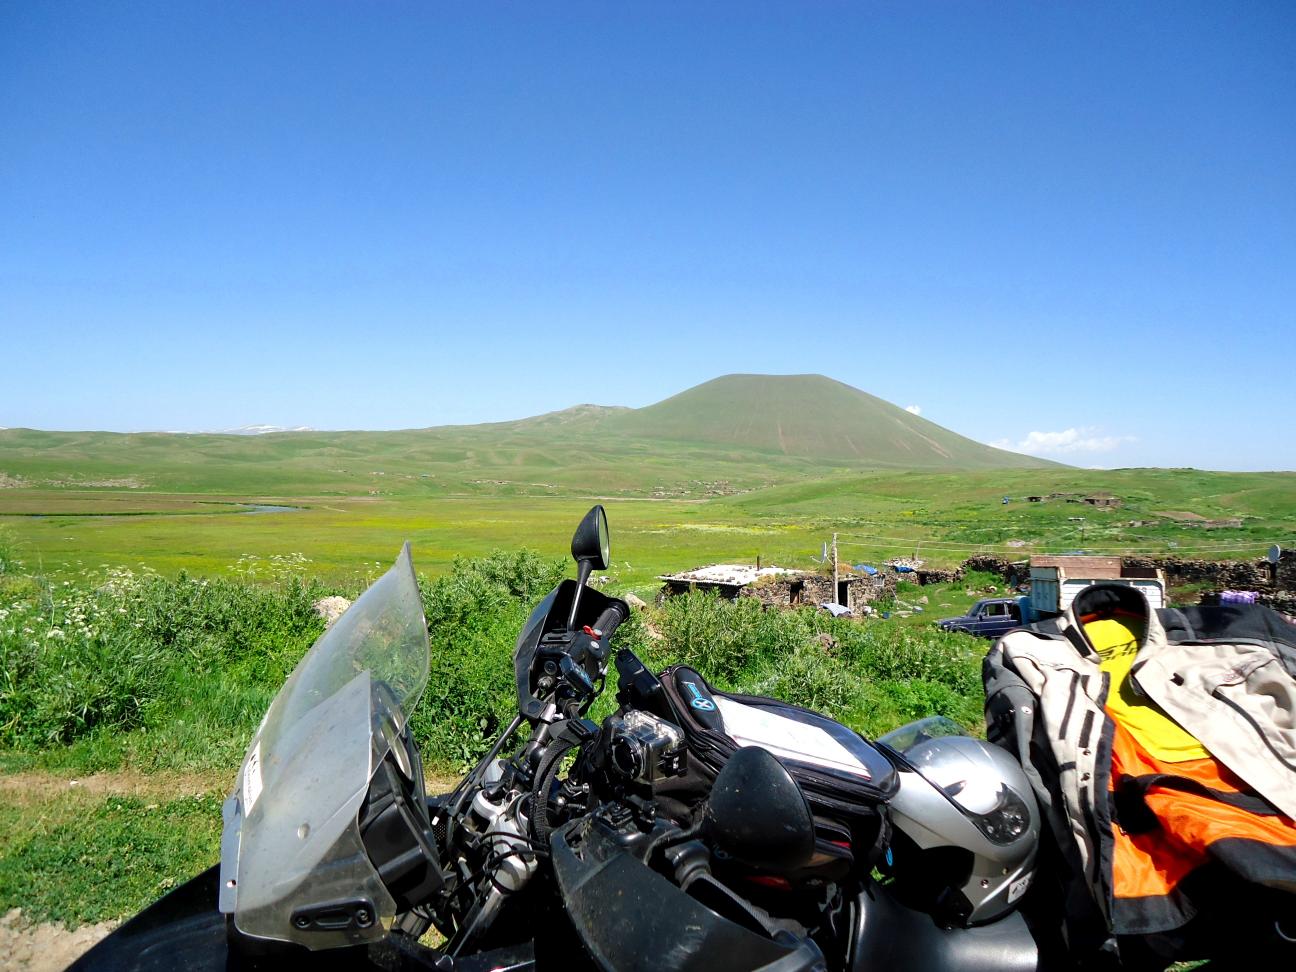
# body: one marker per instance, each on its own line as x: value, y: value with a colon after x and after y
x: 780, y: 586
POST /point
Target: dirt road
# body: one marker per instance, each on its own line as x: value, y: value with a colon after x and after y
x: 26, y: 947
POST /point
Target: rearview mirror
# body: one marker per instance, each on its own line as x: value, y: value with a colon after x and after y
x: 757, y: 814
x: 590, y: 543
x: 592, y: 550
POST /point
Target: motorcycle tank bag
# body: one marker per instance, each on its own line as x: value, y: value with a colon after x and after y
x: 846, y: 780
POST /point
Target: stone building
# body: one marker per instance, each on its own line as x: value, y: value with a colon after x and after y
x: 780, y: 586
x: 1103, y: 500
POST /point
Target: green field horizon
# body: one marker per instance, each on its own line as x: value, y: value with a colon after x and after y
x: 738, y: 468
x: 943, y: 518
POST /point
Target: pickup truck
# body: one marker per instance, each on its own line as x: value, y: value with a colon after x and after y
x: 987, y: 619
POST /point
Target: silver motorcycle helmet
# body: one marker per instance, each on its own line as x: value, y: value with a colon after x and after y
x: 965, y: 823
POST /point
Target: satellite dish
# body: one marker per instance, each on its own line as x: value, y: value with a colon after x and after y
x: 1275, y: 554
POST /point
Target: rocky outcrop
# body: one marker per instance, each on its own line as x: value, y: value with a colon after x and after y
x: 331, y: 608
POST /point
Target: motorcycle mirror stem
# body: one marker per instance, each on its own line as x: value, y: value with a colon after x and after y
x: 591, y: 548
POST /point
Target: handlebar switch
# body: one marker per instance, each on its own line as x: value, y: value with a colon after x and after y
x: 575, y: 676
x: 589, y: 643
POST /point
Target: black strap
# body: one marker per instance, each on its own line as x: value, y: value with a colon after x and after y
x: 1135, y: 788
x: 1073, y: 634
x: 694, y: 692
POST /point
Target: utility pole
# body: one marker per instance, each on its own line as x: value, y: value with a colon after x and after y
x: 834, y: 556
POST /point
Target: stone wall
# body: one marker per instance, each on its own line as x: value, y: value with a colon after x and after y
x: 994, y: 565
x: 1276, y: 584
x: 1247, y: 575
x: 1283, y: 601
x: 1285, y: 579
x: 783, y: 591
x: 818, y: 589
x: 866, y: 590
x: 935, y: 575
x: 985, y: 563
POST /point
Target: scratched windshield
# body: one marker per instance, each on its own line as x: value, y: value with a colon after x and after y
x: 291, y: 824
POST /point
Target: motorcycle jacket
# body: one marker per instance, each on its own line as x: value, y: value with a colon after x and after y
x: 1153, y: 753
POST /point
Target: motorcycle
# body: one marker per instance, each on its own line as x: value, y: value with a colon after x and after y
x: 689, y: 829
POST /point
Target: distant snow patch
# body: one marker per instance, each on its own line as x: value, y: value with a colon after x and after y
x: 243, y: 430
x: 265, y: 429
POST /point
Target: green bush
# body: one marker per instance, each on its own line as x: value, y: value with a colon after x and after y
x: 873, y: 675
x: 139, y: 650
x: 811, y: 677
x: 474, y: 615
x: 880, y: 650
x: 184, y: 667
x: 725, y: 640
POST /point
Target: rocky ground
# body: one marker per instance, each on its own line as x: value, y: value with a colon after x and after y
x: 27, y: 947
x: 35, y: 946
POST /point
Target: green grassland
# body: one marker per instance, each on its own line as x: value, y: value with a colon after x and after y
x: 148, y: 613
x: 740, y: 467
x: 735, y: 433
x: 944, y: 516
x: 181, y: 615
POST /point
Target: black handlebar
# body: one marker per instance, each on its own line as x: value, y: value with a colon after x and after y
x: 596, y: 640
x: 607, y: 622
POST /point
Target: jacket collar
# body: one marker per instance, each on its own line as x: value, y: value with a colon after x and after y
x: 1103, y: 596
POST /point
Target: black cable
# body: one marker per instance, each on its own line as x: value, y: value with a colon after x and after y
x: 546, y: 774
x: 671, y: 837
x: 497, y: 856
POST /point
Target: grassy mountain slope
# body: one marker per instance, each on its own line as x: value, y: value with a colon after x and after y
x: 810, y: 416
x: 734, y: 433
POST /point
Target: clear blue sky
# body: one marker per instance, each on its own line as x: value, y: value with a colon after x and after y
x: 1071, y: 225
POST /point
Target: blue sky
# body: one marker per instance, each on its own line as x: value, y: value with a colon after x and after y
x: 1067, y: 227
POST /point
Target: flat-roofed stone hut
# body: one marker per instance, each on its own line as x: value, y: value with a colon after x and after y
x: 780, y: 586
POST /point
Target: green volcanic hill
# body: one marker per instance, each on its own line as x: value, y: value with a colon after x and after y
x: 813, y: 417
x: 733, y: 433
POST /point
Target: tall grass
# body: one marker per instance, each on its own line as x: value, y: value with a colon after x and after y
x: 190, y: 661
x: 132, y: 668
x: 176, y: 672
x: 873, y: 675
x: 474, y: 614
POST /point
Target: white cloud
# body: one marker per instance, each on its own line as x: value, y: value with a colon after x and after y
x: 1066, y: 442
x: 914, y: 409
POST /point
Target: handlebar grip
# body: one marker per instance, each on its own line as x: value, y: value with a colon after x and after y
x: 607, y: 621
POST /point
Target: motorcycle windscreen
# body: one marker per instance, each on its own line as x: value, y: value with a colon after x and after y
x: 292, y: 820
